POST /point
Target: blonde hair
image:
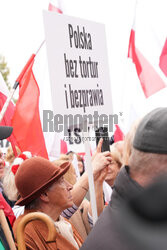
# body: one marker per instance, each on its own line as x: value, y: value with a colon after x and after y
x: 128, y: 142
x: 70, y: 175
x: 116, y: 154
x: 9, y: 186
x: 10, y: 154
x: 8, y: 182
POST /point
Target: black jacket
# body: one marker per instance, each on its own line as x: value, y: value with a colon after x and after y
x: 104, y: 234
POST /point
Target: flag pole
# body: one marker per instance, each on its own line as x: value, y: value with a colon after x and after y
x: 9, y: 98
x: 6, y: 104
x: 16, y: 84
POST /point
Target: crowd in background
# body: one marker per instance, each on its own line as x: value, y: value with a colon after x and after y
x: 131, y: 203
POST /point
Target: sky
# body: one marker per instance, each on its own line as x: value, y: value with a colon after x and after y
x: 22, y: 26
x: 22, y: 33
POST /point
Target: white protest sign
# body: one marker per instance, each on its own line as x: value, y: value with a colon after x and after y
x: 78, y: 66
x: 79, y: 77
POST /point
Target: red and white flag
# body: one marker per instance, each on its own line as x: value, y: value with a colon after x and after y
x: 163, y: 59
x: 145, y: 45
x: 6, y: 121
x: 34, y: 98
x: 4, y: 93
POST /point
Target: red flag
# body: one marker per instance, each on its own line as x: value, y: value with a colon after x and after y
x: 145, y: 45
x: 163, y: 59
x: 118, y: 134
x: 150, y: 80
x: 64, y: 148
x: 26, y: 122
x: 6, y: 121
x: 34, y: 97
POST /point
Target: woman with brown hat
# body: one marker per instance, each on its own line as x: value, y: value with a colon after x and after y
x: 42, y: 188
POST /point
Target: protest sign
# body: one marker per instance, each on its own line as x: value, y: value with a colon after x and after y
x: 78, y: 68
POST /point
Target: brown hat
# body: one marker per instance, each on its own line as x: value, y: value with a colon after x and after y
x: 34, y: 176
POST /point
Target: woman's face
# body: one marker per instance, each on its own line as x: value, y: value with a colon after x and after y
x: 60, y: 194
x: 113, y: 170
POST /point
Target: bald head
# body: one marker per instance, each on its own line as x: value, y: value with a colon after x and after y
x: 145, y: 167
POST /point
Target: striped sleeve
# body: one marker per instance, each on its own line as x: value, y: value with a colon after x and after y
x: 67, y: 213
x: 90, y: 220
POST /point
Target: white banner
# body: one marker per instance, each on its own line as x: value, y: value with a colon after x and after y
x: 78, y: 66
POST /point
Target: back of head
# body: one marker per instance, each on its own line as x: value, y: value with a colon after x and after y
x: 151, y: 134
x: 149, y: 154
x: 128, y: 142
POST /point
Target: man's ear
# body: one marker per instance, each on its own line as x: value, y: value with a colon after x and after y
x: 44, y: 197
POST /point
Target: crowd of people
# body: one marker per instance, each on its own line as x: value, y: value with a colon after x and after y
x: 130, y: 188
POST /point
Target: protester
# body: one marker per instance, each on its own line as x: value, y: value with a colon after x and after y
x: 141, y: 221
x: 5, y: 132
x: 148, y: 159
x: 116, y: 152
x: 82, y: 218
x: 9, y: 157
x: 80, y: 162
x: 80, y: 189
x: 116, y: 163
x: 119, y: 147
x: 10, y: 191
x: 99, y: 161
x: 128, y: 141
x: 42, y: 188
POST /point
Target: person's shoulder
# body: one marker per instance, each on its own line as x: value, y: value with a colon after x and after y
x: 100, y: 234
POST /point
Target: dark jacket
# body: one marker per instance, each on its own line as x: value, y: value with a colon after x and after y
x: 104, y: 234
